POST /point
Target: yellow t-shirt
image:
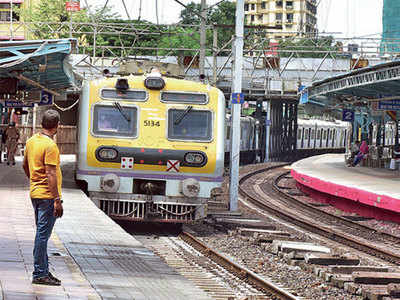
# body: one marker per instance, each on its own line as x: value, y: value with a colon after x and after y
x: 41, y: 150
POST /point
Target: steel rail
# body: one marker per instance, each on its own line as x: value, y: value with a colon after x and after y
x: 322, y: 230
x: 241, y: 272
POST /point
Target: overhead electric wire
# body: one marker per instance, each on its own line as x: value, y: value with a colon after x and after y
x: 126, y: 10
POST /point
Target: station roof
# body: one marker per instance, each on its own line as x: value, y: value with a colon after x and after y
x: 35, y: 65
x: 378, y: 82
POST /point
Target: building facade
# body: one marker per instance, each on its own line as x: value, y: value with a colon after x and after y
x: 11, y: 25
x: 292, y: 18
x: 391, y: 27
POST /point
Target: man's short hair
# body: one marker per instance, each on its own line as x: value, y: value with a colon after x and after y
x: 50, y: 119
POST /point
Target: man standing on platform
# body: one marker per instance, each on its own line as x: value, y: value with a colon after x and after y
x: 12, y: 137
x: 42, y: 166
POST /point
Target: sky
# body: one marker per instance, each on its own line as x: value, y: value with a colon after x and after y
x: 345, y: 18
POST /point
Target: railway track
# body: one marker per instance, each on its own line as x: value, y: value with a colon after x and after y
x: 218, y: 275
x: 266, y: 194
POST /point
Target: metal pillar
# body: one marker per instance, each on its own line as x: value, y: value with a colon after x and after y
x: 203, y: 37
x: 215, y: 53
x: 283, y: 136
x: 235, y: 119
x: 267, y: 131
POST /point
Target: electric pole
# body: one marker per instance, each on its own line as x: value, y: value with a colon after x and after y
x: 236, y: 99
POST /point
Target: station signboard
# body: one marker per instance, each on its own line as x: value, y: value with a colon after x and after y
x: 73, y: 5
x: 384, y: 105
x: 46, y: 98
x: 17, y: 104
x: 237, y: 98
x: 389, y: 105
x: 348, y: 115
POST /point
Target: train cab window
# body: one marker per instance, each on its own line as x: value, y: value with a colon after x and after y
x: 110, y: 121
x: 184, y: 97
x: 128, y: 95
x: 189, y: 124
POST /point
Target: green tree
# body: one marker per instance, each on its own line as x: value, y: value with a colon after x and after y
x: 181, y: 38
x: 222, y: 14
x: 309, y: 47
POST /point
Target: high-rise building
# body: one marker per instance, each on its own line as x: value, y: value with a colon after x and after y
x: 11, y: 25
x: 391, y: 26
x: 293, y: 18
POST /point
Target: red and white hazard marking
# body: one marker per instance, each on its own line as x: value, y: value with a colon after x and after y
x: 126, y: 162
x: 173, y: 165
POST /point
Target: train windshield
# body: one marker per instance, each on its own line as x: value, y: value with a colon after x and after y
x: 189, y: 124
x: 107, y: 120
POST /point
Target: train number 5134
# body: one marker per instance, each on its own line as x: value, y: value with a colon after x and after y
x: 151, y: 123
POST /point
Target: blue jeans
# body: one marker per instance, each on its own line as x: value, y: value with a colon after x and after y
x: 358, y: 158
x: 44, y: 219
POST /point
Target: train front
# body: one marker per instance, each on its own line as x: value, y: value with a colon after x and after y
x: 151, y: 148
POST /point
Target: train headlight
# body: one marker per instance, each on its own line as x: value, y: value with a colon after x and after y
x: 190, y: 187
x: 108, y: 153
x: 110, y: 183
x: 195, y: 158
x: 154, y: 83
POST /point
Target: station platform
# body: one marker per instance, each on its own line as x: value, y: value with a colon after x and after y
x: 369, y: 192
x: 93, y: 256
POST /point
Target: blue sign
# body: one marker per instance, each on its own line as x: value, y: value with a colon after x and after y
x: 389, y: 105
x: 348, y: 115
x: 268, y: 122
x: 16, y: 104
x: 46, y: 98
x: 237, y: 98
x: 303, y: 96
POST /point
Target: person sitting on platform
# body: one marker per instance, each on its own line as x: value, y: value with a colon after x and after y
x: 361, y: 154
x: 355, y: 148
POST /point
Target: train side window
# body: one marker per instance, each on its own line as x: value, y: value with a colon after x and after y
x: 192, y: 124
x: 324, y: 135
x: 318, y: 134
x: 313, y: 134
x: 109, y: 121
x: 299, y: 134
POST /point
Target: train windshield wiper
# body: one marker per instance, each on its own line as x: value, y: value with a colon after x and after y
x: 119, y: 107
x: 180, y: 118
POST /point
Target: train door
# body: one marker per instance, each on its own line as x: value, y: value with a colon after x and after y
x: 328, y: 132
x: 299, y: 137
x: 302, y: 138
x: 307, y: 138
x: 334, y: 138
x: 318, y: 138
x: 312, y: 139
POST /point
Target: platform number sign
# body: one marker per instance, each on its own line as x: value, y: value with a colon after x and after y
x: 46, y: 98
x: 237, y: 98
x: 348, y: 115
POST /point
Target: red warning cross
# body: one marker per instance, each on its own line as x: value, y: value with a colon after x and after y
x: 172, y: 165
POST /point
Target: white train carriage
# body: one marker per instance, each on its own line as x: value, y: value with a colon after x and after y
x: 318, y: 134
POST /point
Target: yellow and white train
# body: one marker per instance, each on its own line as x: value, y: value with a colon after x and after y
x: 151, y: 148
